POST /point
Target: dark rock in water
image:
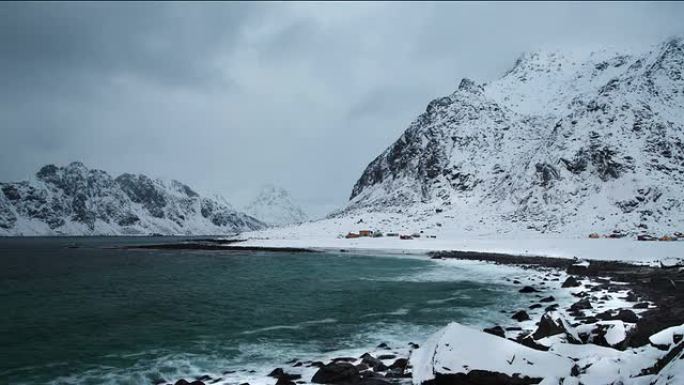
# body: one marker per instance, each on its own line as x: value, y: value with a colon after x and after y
x: 203, y: 378
x: 631, y: 297
x: 181, y: 382
x: 515, y: 281
x: 547, y: 299
x: 337, y: 373
x: 284, y: 380
x: 317, y: 364
x: 387, y: 356
x: 373, y: 362
x: 528, y: 289
x: 513, y: 328
x: 640, y: 305
x: 624, y: 315
x: 400, y: 363
x: 396, y: 373
x: 496, y: 330
x: 521, y: 316
x: 383, y: 346
x: 371, y: 374
x: 283, y: 377
x: 571, y: 282
x: 535, y: 306
x: 581, y: 305
x: 413, y: 345
x: 344, y: 359
x: 552, y: 307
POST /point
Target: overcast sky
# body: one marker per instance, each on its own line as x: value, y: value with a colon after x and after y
x: 228, y: 96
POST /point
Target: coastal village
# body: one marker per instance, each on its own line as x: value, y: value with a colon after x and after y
x: 676, y: 236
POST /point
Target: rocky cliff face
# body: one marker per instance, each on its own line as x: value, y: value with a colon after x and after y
x: 559, y: 143
x: 275, y: 207
x: 75, y: 200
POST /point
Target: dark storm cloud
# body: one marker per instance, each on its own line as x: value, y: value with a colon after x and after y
x: 172, y: 44
x: 228, y: 96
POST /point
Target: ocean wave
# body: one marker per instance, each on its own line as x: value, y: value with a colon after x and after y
x: 296, y: 326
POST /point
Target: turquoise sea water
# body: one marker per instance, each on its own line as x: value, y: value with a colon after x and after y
x: 100, y: 315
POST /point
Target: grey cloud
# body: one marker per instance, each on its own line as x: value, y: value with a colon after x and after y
x: 229, y: 96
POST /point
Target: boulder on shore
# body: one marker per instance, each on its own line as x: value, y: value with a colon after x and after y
x: 553, y: 323
x: 337, y: 373
x: 571, y: 282
x: 459, y: 353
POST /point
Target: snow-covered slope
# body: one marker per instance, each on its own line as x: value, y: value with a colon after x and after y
x: 274, y: 206
x: 75, y: 200
x: 561, y: 143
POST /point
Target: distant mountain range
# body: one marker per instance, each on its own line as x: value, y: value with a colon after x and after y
x: 76, y: 200
x: 561, y: 143
x: 275, y: 207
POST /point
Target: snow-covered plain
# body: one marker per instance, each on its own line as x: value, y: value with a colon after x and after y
x: 329, y: 234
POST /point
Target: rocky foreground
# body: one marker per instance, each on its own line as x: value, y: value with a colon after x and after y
x: 612, y: 323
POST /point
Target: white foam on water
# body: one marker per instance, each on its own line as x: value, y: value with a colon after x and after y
x: 296, y: 326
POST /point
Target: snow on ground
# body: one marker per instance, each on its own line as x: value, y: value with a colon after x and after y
x: 460, y: 349
x: 329, y: 234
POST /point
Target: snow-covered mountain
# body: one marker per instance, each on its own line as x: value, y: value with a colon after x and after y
x: 275, y: 207
x: 562, y: 142
x: 75, y: 200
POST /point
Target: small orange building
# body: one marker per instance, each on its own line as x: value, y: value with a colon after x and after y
x: 352, y: 235
x: 365, y: 233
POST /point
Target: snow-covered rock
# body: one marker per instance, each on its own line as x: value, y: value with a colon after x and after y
x: 561, y: 143
x: 667, y: 337
x: 275, y: 207
x: 673, y: 372
x: 75, y: 200
x: 458, y: 351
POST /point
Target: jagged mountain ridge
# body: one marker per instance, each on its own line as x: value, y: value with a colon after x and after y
x: 559, y: 143
x: 275, y: 207
x: 75, y: 200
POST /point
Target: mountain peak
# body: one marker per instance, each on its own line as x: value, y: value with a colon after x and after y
x: 468, y: 85
x: 274, y: 206
x: 575, y: 141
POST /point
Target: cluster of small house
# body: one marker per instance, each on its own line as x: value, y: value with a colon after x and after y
x: 379, y: 234
x: 642, y: 237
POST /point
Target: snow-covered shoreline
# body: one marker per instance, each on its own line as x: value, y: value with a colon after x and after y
x: 628, y: 250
